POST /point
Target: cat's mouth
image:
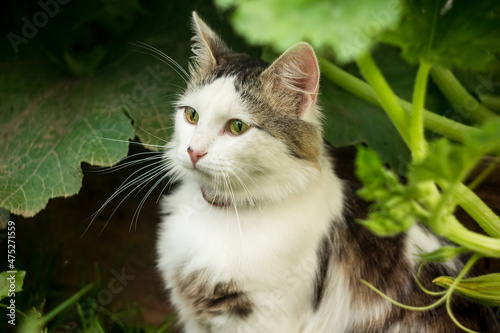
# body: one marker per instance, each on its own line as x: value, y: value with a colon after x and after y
x: 214, y: 200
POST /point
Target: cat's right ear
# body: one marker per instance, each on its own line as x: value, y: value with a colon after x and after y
x: 209, y: 50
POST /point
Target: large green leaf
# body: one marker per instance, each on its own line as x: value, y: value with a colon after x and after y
x: 50, y: 124
x: 77, y: 90
x: 465, y: 34
x: 51, y: 120
x: 349, y: 27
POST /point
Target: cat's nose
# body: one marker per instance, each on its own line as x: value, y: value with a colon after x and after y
x: 195, y: 154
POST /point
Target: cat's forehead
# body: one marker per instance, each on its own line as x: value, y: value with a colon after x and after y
x: 218, y: 99
x: 243, y: 68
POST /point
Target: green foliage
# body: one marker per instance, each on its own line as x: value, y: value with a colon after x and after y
x: 465, y: 34
x: 51, y: 120
x: 483, y: 289
x: 449, y: 163
x: 45, y: 138
x: 444, y: 254
x: 6, y: 281
x: 37, y: 322
x: 396, y: 205
x: 349, y: 27
x: 395, y: 208
x: 351, y: 121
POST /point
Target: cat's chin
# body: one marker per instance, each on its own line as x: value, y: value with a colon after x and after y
x: 213, y: 199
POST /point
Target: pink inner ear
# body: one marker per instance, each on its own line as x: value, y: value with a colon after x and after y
x: 306, y: 63
x: 305, y: 76
x: 294, y: 78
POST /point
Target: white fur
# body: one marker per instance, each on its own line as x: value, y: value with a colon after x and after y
x: 266, y: 242
x: 273, y: 257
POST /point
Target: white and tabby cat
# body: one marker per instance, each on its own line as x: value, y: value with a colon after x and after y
x: 260, y: 235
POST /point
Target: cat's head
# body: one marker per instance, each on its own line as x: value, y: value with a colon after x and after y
x: 246, y: 131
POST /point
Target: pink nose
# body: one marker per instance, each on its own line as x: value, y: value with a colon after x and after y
x: 195, y: 154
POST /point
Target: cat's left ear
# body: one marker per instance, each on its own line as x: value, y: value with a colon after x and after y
x: 295, y: 75
x: 208, y: 48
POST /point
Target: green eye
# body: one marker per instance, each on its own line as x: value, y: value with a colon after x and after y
x: 237, y: 127
x: 191, y: 115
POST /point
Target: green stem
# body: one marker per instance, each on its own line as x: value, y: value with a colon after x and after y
x: 492, y: 102
x: 475, y: 257
x: 442, y: 125
x: 473, y: 241
x: 358, y: 87
x: 455, y: 320
x: 478, y: 210
x: 17, y: 310
x: 386, y: 96
x: 64, y: 305
x: 453, y: 130
x: 428, y: 292
x: 458, y: 95
x: 404, y: 306
x: 418, y: 144
x: 440, y: 208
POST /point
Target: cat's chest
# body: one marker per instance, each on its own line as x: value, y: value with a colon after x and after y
x: 239, y: 242
x: 246, y: 266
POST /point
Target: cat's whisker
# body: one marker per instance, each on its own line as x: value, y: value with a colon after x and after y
x: 167, y: 63
x: 120, y: 189
x: 124, y: 186
x: 165, y: 56
x: 173, y: 174
x: 226, y: 190
x: 143, y: 201
x: 243, y: 171
x: 167, y: 165
x: 121, y: 201
x: 132, y: 142
x: 139, y: 181
x: 235, y: 204
x: 170, y: 182
x: 244, y: 186
x: 242, y: 182
x: 104, y: 170
x: 167, y: 60
x: 216, y: 183
x: 249, y: 165
x: 154, y: 136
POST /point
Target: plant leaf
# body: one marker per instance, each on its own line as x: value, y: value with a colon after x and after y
x: 465, y: 34
x: 483, y: 289
x: 450, y: 162
x: 443, y: 254
x: 394, y: 208
x: 51, y: 122
x: 49, y: 125
x: 349, y: 27
x: 5, y: 282
x: 350, y: 120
